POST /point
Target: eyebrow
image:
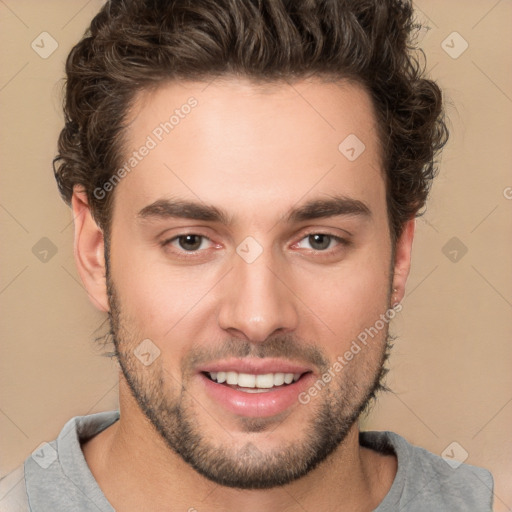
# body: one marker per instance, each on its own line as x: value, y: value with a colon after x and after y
x: 334, y: 206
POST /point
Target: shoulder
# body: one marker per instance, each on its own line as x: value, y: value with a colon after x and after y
x: 55, y: 476
x: 13, y: 492
x: 426, y: 481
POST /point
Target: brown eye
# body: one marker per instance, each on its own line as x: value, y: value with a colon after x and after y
x: 322, y: 243
x: 189, y: 247
x: 319, y: 241
x: 190, y: 242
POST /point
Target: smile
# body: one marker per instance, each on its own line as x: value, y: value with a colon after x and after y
x: 254, y: 383
x: 255, y: 388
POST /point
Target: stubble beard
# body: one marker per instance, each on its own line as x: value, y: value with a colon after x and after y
x: 334, y: 411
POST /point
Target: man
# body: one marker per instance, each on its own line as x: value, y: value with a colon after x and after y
x: 244, y: 178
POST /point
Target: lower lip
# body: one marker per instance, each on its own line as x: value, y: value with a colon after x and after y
x: 256, y: 405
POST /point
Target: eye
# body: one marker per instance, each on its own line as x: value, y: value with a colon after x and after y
x: 189, y: 242
x: 320, y: 241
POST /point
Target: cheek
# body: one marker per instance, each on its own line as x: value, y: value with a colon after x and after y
x: 345, y: 300
x: 154, y: 295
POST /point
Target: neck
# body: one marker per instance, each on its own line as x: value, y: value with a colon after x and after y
x: 137, y: 470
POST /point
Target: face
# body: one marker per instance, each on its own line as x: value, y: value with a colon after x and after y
x: 248, y: 252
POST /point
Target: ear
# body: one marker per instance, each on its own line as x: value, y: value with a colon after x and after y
x: 402, y: 263
x: 89, y: 250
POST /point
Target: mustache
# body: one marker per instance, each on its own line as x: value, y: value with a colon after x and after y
x: 284, y: 346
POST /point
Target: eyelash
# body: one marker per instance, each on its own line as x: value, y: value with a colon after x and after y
x: 197, y: 253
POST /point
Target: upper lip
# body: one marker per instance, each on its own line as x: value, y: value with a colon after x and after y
x: 255, y: 366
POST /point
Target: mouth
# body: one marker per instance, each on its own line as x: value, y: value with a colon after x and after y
x: 254, y: 383
x: 255, y: 388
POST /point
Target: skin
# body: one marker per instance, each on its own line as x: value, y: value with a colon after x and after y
x: 256, y: 153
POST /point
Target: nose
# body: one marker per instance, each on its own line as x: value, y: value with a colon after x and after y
x: 256, y: 300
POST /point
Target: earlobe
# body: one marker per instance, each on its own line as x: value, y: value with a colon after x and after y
x: 402, y: 264
x: 89, y: 250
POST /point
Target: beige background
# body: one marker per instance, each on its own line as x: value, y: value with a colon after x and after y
x: 451, y: 366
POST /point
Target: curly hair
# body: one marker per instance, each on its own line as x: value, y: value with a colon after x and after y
x: 136, y: 45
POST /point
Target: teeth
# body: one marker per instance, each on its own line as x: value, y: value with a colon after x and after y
x: 231, y: 378
x: 248, y: 380
x: 279, y: 379
x: 265, y: 381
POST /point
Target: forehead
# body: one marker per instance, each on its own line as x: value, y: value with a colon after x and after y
x: 239, y: 144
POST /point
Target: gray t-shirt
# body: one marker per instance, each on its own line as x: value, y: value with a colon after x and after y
x: 56, y: 478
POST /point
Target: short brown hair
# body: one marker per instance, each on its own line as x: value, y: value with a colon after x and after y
x: 133, y: 45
